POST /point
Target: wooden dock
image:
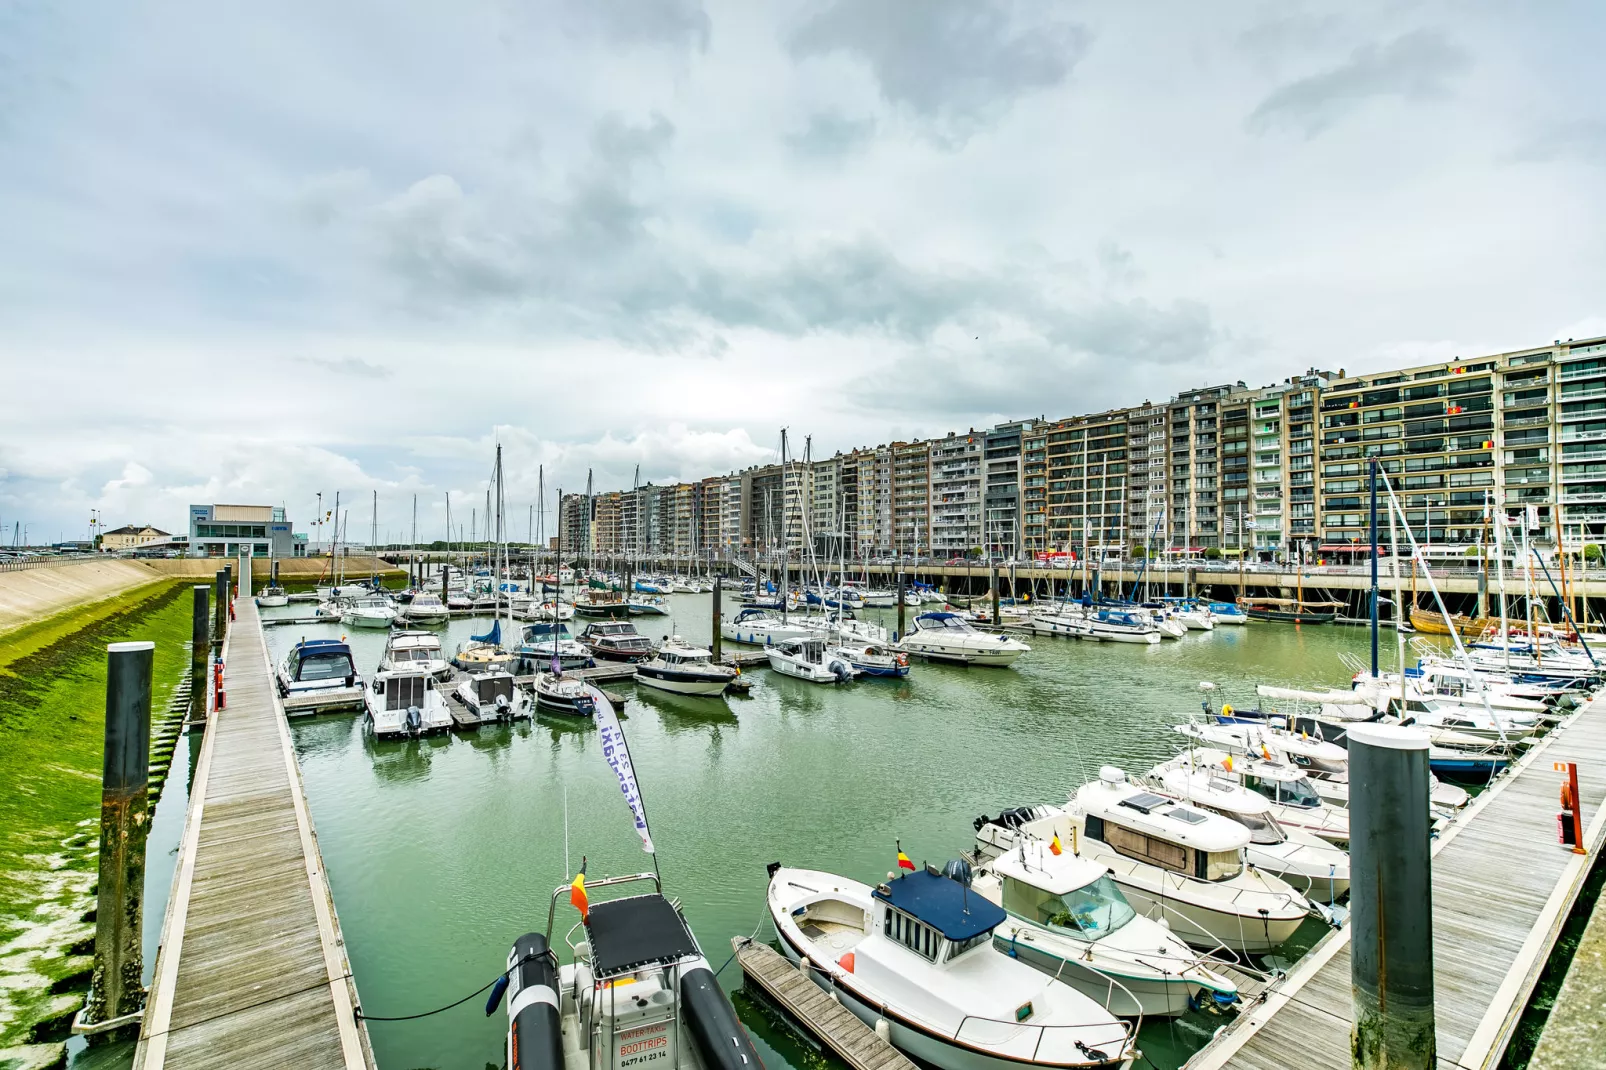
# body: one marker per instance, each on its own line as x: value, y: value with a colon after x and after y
x: 252, y: 970
x: 807, y: 1004
x: 1502, y: 888
x: 312, y: 703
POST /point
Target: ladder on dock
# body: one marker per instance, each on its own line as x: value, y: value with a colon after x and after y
x: 807, y: 1004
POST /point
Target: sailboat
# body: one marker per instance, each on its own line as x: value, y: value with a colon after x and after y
x: 487, y: 652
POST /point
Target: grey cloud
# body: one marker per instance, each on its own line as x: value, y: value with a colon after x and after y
x: 1292, y: 32
x: 1583, y: 140
x: 957, y: 62
x: 831, y: 134
x: 672, y: 22
x: 1415, y: 66
x: 353, y: 366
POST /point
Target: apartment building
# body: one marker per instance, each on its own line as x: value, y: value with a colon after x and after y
x: 1147, y: 454
x: 956, y: 493
x: 1086, y: 473
x: 824, y: 499
x: 1034, y: 489
x: 872, y: 533
x: 1002, y: 526
x: 911, y: 498
x: 574, y: 523
x: 797, y: 493
x: 607, y: 510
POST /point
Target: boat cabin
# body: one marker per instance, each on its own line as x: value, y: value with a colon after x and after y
x: 1281, y: 785
x: 1162, y: 832
x: 488, y: 687
x: 546, y: 632
x: 414, y: 646
x: 319, y: 663
x: 1218, y: 794
x: 927, y: 622
x: 401, y: 690
x: 677, y: 653
x: 935, y: 916
x: 809, y: 650
x: 1064, y: 893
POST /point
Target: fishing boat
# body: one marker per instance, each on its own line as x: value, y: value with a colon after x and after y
x: 493, y: 696
x: 637, y: 992
x: 870, y: 658
x: 616, y: 640
x: 684, y: 669
x: 1432, y: 623
x: 762, y: 627
x: 914, y: 957
x: 417, y: 650
x: 1291, y: 610
x: 404, y: 702
x: 1071, y: 921
x: 317, y: 665
x: 425, y: 608
x: 545, y: 640
x: 1172, y: 860
x: 947, y: 637
x: 569, y: 695
x: 810, y: 659
x: 371, y: 611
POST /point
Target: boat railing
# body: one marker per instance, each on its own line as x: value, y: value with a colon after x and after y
x: 996, y: 1032
x: 1111, y: 984
x: 606, y: 882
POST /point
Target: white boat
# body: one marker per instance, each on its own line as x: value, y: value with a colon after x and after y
x: 1454, y: 684
x: 1293, y: 799
x: 870, y: 658
x: 371, y: 611
x: 684, y: 670
x: 878, y: 598
x: 641, y: 605
x: 1196, y: 618
x: 553, y: 610
x: 1070, y: 920
x: 272, y: 598
x: 545, y: 640
x: 569, y: 695
x: 810, y: 659
x: 493, y: 696
x: 317, y: 665
x: 330, y: 609
x: 1108, y: 624
x: 425, y: 608
x: 404, y: 702
x: 947, y: 637
x: 914, y: 958
x: 760, y: 627
x: 415, y: 650
x: 1172, y: 860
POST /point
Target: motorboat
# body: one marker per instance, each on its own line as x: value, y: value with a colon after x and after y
x: 648, y: 586
x: 1228, y: 613
x: 425, y: 608
x: 493, y: 696
x: 762, y: 627
x: 636, y: 992
x: 404, y: 702
x: 1109, y: 624
x: 1066, y: 619
x: 599, y: 604
x: 272, y: 597
x: 370, y: 611
x: 811, y: 659
x: 1172, y: 860
x: 914, y: 958
x: 684, y: 670
x: 616, y: 640
x: 545, y: 640
x: 415, y: 650
x: 834, y: 598
x: 317, y: 665
x: 947, y: 637
x: 870, y: 658
x: 1315, y: 868
x: 569, y: 695
x: 1071, y: 921
x: 554, y: 610
x: 1441, y: 682
x: 1294, y: 801
x: 330, y: 609
x: 648, y: 605
x: 1195, y: 616
x: 877, y: 598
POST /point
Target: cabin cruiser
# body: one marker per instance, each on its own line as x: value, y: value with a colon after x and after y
x: 761, y: 627
x: 425, y: 608
x: 1071, y: 921
x: 1172, y: 860
x: 684, y: 670
x: 544, y: 640
x: 492, y: 696
x: 834, y: 598
x: 1228, y: 613
x: 570, y: 695
x: 875, y: 597
x: 1315, y: 868
x: 331, y: 609
x: 416, y: 650
x: 404, y: 702
x: 812, y: 660
x: 317, y: 665
x: 272, y: 597
x: 637, y: 988
x: 551, y: 610
x: 946, y: 637
x: 1195, y: 616
x: 1452, y: 684
x: 370, y: 611
x: 616, y: 640
x: 870, y: 658
x: 1294, y: 801
x: 648, y: 605
x: 1108, y: 624
x: 914, y: 958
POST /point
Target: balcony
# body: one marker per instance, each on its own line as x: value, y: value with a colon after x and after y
x: 1593, y: 412
x: 1580, y: 352
x: 1573, y: 434
x: 1588, y: 390
x: 1526, y: 420
x: 1591, y: 495
x: 1569, y: 373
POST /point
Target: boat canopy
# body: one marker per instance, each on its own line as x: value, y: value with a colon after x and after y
x: 494, y: 636
x: 944, y: 620
x: 642, y: 930
x: 1165, y: 819
x: 1058, y: 874
x: 942, y: 903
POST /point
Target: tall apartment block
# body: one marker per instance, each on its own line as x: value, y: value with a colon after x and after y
x: 956, y: 493
x: 911, y: 498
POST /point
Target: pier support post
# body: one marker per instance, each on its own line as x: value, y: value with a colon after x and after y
x: 220, y: 611
x: 718, y: 592
x: 1391, y: 900
x: 200, y: 621
x: 903, y: 587
x: 993, y: 592
x: 228, y: 584
x: 115, y: 989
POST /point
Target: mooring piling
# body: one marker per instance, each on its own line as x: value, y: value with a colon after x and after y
x: 199, y: 650
x: 718, y: 592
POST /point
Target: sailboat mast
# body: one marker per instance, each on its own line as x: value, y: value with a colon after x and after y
x: 1500, y: 579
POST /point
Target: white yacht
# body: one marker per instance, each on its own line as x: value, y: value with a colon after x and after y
x: 684, y: 670
x: 404, y: 702
x: 947, y: 637
x: 1109, y: 624
x: 1173, y: 861
x: 493, y: 696
x: 416, y: 650
x: 554, y: 611
x: 545, y: 640
x: 1452, y: 683
x: 1196, y: 618
x: 273, y: 597
x: 1071, y: 921
x: 762, y: 627
x: 1294, y: 801
x: 317, y: 665
x: 425, y: 608
x: 870, y: 658
x: 810, y: 659
x: 915, y: 957
x: 642, y: 605
x: 370, y: 611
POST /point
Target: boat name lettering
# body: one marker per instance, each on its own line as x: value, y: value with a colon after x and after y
x: 632, y: 1034
x: 644, y: 1051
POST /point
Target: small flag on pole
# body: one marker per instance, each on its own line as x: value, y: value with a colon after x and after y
x: 577, y: 892
x: 1054, y: 844
x: 903, y: 859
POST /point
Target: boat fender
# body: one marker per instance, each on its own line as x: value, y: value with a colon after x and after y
x: 535, y: 1034
x: 846, y: 962
x: 883, y: 1030
x: 719, y: 1036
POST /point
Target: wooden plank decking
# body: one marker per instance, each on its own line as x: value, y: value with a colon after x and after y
x: 1502, y: 887
x: 252, y: 970
x: 853, y: 1041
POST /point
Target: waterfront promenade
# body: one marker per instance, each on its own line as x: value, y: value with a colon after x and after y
x: 252, y: 970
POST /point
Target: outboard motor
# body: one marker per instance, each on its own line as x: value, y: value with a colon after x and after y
x: 415, y: 720
x: 534, y: 1031
x: 720, y: 1038
x: 957, y: 869
x: 504, y: 709
x: 841, y: 670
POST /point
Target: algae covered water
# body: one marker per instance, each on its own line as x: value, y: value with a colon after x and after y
x: 442, y: 851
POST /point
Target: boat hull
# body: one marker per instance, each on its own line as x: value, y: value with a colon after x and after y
x: 1134, y: 995
x: 1288, y: 617
x: 1205, y: 928
x: 681, y: 683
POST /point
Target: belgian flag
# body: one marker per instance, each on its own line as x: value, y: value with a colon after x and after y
x: 1054, y: 844
x: 577, y: 893
x: 903, y: 859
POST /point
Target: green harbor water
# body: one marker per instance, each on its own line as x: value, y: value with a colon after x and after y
x: 441, y: 852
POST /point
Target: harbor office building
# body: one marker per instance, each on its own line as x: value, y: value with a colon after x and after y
x: 230, y: 530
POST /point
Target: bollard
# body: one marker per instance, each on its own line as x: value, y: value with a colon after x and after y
x: 247, y: 568
x: 718, y: 591
x: 199, y: 621
x: 1391, y: 900
x: 1570, y: 822
x: 115, y: 989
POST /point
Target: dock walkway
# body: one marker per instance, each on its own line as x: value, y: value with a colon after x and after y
x: 1502, y: 888
x: 252, y: 970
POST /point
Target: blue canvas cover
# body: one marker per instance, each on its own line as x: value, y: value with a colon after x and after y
x: 942, y: 903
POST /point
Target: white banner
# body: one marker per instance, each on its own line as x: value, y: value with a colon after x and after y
x: 617, y: 754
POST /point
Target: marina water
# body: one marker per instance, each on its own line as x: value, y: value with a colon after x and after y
x: 442, y: 851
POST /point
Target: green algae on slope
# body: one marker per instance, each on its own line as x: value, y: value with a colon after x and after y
x: 52, y: 716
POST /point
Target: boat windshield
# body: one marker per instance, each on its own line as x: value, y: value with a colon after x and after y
x: 1293, y: 793
x: 1090, y: 912
x: 1263, y: 828
x: 1320, y: 765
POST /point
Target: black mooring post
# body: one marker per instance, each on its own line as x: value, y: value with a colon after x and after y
x: 994, y: 590
x: 199, y: 622
x: 1372, y: 467
x: 220, y: 610
x: 115, y: 988
x: 228, y: 580
x: 718, y: 591
x: 1391, y: 899
x: 903, y: 587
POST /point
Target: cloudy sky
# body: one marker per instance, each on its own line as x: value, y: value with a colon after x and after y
x: 251, y: 252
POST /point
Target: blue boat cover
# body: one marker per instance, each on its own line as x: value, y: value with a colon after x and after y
x: 942, y: 903
x: 937, y: 616
x: 322, y: 646
x: 494, y: 636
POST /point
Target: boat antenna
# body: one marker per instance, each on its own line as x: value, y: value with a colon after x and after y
x: 565, y: 828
